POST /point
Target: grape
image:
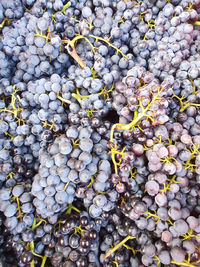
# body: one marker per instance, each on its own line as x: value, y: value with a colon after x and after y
x: 170, y: 168
x: 100, y: 201
x: 189, y: 246
x: 186, y: 139
x: 166, y: 236
x: 139, y: 207
x: 60, y: 187
x: 149, y: 250
x: 61, y: 197
x: 86, y: 157
x: 120, y: 188
x: 164, y: 257
x: 141, y: 223
x: 152, y: 188
x: 86, y: 12
x: 193, y: 222
x: 85, y: 176
x: 162, y: 213
x: 53, y: 180
x: 49, y: 191
x: 60, y: 159
x: 177, y: 254
x: 86, y: 144
x: 181, y: 227
x: 4, y: 127
x: 161, y: 200
x: 10, y: 210
x: 73, y: 175
x: 39, y: 41
x: 174, y: 213
x: 162, y: 152
x: 102, y: 176
x: 185, y: 213
x: 11, y: 222
x: 25, y: 197
x: 56, y: 41
x: 94, y: 211
x: 184, y: 155
x: 146, y: 260
x: 5, y: 194
x: 27, y: 208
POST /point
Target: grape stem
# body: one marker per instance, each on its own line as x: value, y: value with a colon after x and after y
x: 67, y: 5
x: 70, y: 208
x: 185, y: 104
x: 136, y: 119
x: 104, y: 91
x: 118, y: 246
x: 63, y: 99
x: 189, y: 235
x: 186, y: 263
x: 35, y: 224
x: 155, y: 258
x: 116, y: 263
x: 97, y: 38
x: 72, y: 50
x: 15, y: 110
x: 196, y: 23
x: 44, y: 261
x: 150, y: 215
x: 20, y: 216
x: 2, y: 24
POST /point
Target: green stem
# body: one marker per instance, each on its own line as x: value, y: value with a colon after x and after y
x: 97, y: 38
x: 65, y: 7
x: 63, y: 100
x: 136, y: 119
x: 118, y: 246
x: 32, y: 264
x: 43, y: 261
x: 188, y: 104
x: 70, y: 208
x: 77, y: 210
x: 32, y: 247
x: 196, y: 23
x: 185, y: 263
x: 34, y: 224
x: 128, y: 126
x: 72, y: 51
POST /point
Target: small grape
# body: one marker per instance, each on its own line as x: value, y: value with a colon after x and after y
x: 164, y: 257
x: 94, y: 211
x: 152, y: 188
x: 10, y: 210
x: 178, y: 254
x: 193, y: 222
x: 86, y: 144
x: 181, y: 227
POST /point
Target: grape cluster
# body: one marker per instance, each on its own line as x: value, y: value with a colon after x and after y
x: 70, y: 160
x: 71, y: 241
x: 99, y: 133
x: 138, y: 90
x: 12, y: 10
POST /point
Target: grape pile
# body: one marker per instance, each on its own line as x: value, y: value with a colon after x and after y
x: 99, y: 133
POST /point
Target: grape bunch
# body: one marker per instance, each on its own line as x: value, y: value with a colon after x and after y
x: 71, y: 241
x: 70, y: 161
